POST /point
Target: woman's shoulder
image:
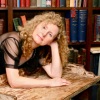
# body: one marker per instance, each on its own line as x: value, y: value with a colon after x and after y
x: 6, y: 36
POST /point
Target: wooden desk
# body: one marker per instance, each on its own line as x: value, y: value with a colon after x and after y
x: 80, y: 82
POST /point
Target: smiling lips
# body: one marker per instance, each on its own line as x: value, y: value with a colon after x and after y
x: 40, y: 37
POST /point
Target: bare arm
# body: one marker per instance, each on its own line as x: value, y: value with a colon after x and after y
x: 55, y: 68
x: 16, y: 81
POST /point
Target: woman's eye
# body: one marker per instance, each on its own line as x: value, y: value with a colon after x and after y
x: 50, y: 34
x: 44, y: 27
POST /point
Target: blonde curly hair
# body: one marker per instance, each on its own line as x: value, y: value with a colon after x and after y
x: 27, y: 30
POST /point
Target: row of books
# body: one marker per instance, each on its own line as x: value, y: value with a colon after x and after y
x: 96, y: 35
x: 49, y: 3
x: 19, y: 21
x: 76, y: 25
x: 96, y: 3
x: 77, y: 56
x: 3, y: 3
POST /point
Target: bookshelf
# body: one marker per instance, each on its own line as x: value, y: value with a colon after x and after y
x: 10, y: 12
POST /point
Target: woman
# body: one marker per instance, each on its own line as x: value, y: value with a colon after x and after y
x: 40, y: 43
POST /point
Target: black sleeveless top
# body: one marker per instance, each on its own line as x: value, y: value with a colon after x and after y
x: 8, y: 48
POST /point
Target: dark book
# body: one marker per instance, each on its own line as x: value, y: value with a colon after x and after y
x: 17, y: 22
x: 1, y: 26
x: 82, y: 25
x: 94, y: 61
x: 71, y: 55
x: 62, y: 3
x: 74, y: 26
x: 95, y: 3
x: 97, y: 28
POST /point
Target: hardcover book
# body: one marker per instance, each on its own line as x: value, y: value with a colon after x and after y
x: 17, y: 22
x: 1, y: 26
x: 74, y: 26
x: 82, y: 25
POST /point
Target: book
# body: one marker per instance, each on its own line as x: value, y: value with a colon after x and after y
x: 95, y: 50
x: 22, y: 3
x: 82, y: 25
x: 72, y: 4
x: 73, y: 25
x: 62, y: 3
x: 1, y: 26
x: 33, y: 3
x: 3, y: 3
x: 67, y: 3
x: 16, y: 22
x: 53, y: 3
x: 94, y: 60
x: 27, y: 3
x: 38, y: 3
x: 97, y: 28
x: 99, y: 66
x: 23, y: 19
x: 48, y: 3
x: 14, y: 3
x: 67, y: 21
x: 18, y: 3
x: 57, y: 3
x: 43, y: 3
x: 95, y: 3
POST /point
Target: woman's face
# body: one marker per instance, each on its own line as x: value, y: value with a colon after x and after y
x: 45, y: 33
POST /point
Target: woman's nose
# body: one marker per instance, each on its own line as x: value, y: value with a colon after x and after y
x: 44, y: 33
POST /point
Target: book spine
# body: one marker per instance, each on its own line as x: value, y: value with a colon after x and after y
x: 84, y: 3
x: 67, y: 20
x: 1, y: 26
x: 3, y: 3
x: 43, y: 3
x: 23, y: 19
x: 74, y: 27
x: 18, y: 3
x: 33, y: 3
x: 82, y: 25
x: 53, y: 3
x: 38, y: 3
x: 27, y: 3
x: 71, y: 3
x: 62, y: 3
x: 48, y: 3
x: 97, y: 27
x: 16, y: 23
x: 58, y: 3
x: 22, y: 3
x: 67, y: 3
x: 14, y: 3
x: 95, y: 3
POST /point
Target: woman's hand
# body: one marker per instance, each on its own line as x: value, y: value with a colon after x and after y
x: 59, y: 82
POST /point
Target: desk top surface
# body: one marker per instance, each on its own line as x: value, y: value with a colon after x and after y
x: 79, y: 83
